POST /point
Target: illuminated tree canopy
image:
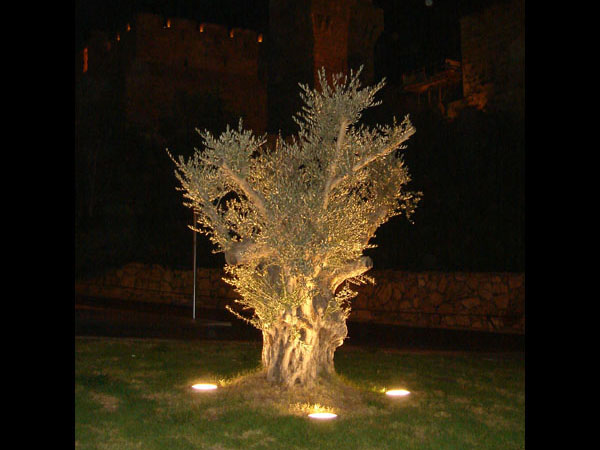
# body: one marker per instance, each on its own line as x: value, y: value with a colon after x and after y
x: 294, y: 219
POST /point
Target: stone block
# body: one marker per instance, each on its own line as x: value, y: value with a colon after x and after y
x: 397, y: 294
x: 473, y: 282
x: 501, y: 301
x: 204, y: 285
x: 360, y: 315
x: 462, y: 321
x: 127, y: 280
x: 416, y: 301
x: 448, y: 321
x: 477, y: 324
x: 470, y: 302
x: 499, y: 288
x: 485, y: 291
x: 445, y: 308
x: 515, y: 281
x: 443, y: 283
x: 435, y: 299
x: 405, y: 305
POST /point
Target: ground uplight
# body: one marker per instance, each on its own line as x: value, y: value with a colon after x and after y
x: 397, y: 392
x: 322, y: 415
x: 204, y: 387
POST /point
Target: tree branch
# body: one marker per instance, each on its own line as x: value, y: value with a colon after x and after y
x: 370, y: 158
x: 333, y: 167
x: 216, y: 221
x: 374, y: 222
x: 246, y: 251
x: 352, y: 269
x: 255, y: 197
x: 386, y: 150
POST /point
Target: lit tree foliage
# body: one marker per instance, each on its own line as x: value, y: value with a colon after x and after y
x: 293, y: 220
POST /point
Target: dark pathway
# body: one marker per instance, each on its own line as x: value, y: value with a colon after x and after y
x: 123, y: 318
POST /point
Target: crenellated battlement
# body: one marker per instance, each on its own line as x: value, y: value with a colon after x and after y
x: 176, y: 42
x: 199, y: 31
x: 156, y: 61
x: 187, y: 43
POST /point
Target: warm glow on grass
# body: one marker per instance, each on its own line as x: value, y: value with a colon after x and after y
x: 204, y: 387
x: 314, y: 411
x: 397, y: 392
x: 322, y: 415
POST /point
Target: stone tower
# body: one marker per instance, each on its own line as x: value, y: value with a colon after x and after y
x: 493, y: 57
x: 305, y: 35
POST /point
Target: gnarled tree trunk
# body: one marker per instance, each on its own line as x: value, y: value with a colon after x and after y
x: 297, y: 349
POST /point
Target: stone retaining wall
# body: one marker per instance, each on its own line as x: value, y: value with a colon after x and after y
x: 459, y: 300
x: 464, y: 300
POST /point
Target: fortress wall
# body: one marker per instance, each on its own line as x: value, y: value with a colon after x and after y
x: 366, y: 25
x: 493, y: 56
x: 174, y: 56
x: 330, y: 27
x: 201, y: 46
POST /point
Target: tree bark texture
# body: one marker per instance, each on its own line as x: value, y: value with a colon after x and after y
x: 297, y: 349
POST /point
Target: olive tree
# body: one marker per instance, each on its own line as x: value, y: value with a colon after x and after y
x: 294, y: 219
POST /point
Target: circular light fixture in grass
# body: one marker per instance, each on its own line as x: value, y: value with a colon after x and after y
x: 322, y: 415
x: 204, y: 387
x: 397, y: 392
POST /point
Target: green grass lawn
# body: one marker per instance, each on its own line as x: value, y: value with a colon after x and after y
x: 135, y: 394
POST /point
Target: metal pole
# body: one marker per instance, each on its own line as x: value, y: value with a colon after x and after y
x: 194, y: 292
